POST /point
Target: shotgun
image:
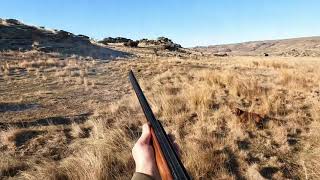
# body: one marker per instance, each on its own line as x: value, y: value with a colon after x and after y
x: 168, y: 162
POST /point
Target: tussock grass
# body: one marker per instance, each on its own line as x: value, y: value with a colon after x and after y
x: 198, y: 101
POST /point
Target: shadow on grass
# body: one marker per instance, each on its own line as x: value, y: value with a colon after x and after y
x: 58, y: 120
x: 12, y: 171
x: 7, y: 107
x: 24, y: 136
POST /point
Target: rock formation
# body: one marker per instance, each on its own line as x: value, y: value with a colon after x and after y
x: 162, y: 43
x: 15, y: 35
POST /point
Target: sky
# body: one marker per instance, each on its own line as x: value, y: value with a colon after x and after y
x: 187, y: 22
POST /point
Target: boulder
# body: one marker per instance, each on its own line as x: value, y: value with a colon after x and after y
x: 131, y: 43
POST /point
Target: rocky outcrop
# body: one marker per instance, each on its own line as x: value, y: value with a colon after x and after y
x: 162, y: 43
x: 15, y: 35
x: 131, y: 43
x: 114, y: 40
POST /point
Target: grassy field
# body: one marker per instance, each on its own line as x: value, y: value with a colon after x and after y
x: 232, y: 117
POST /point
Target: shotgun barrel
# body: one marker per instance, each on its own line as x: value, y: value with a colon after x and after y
x: 168, y: 162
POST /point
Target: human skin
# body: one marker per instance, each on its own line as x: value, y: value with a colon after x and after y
x: 143, y: 154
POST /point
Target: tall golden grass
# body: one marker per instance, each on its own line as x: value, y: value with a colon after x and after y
x: 195, y: 100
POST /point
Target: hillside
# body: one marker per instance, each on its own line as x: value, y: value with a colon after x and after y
x: 306, y: 46
x: 15, y: 35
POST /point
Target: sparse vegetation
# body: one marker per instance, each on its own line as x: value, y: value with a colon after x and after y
x: 232, y: 117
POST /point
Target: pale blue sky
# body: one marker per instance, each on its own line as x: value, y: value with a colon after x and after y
x: 188, y: 22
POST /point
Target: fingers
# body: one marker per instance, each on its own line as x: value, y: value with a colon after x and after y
x: 146, y: 135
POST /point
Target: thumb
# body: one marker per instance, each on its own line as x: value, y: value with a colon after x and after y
x: 146, y: 134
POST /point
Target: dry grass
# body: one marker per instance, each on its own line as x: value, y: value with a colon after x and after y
x: 233, y: 117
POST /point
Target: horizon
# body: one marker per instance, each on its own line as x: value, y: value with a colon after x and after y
x: 188, y: 23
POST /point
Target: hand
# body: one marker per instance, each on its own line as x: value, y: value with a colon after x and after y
x: 143, y: 154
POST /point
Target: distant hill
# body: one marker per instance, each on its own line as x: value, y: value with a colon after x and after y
x: 306, y: 46
x: 14, y: 35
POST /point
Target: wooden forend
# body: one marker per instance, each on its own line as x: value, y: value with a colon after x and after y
x: 163, y: 167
